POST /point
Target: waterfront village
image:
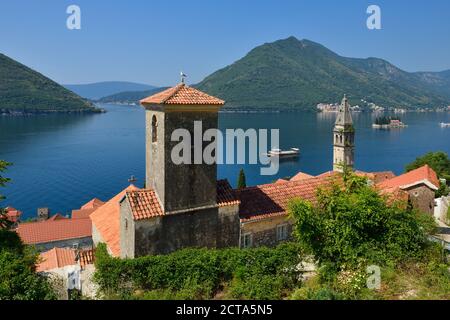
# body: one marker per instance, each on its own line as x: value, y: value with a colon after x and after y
x: 186, y: 206
x: 372, y: 107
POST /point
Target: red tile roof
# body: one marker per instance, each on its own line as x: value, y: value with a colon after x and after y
x: 376, y: 177
x: 57, y: 216
x: 86, y: 209
x: 301, y: 176
x: 182, y: 95
x: 13, y: 214
x: 106, y: 220
x: 272, y: 199
x: 226, y: 196
x: 62, y: 257
x: 51, y: 231
x: 422, y: 175
x: 82, y: 213
x: 144, y: 204
x: 281, y: 181
x: 86, y: 257
x: 56, y: 258
x: 93, y: 204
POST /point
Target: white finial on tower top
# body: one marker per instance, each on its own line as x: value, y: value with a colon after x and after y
x: 183, y: 76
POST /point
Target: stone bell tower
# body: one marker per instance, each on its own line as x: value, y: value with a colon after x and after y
x: 187, y: 186
x: 344, y: 138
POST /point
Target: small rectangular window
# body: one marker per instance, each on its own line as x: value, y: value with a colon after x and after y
x: 246, y: 240
x: 282, y: 232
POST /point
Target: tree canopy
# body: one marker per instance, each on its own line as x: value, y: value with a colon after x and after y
x: 242, y: 183
x: 18, y: 277
x: 352, y: 223
x: 438, y: 161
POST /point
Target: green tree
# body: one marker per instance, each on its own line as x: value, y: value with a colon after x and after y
x: 440, y: 163
x: 242, y: 183
x: 351, y: 223
x: 18, y: 277
x: 4, y: 222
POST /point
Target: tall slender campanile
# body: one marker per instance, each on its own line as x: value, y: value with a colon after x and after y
x: 344, y: 138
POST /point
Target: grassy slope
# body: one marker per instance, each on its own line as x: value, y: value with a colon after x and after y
x: 27, y: 91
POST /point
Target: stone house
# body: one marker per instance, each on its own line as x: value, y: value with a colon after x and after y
x: 421, y: 185
x: 69, y: 269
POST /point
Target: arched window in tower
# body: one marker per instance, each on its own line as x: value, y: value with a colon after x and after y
x: 154, y: 129
x: 341, y: 138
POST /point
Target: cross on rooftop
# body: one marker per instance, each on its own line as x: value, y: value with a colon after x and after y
x: 183, y: 76
x: 132, y: 179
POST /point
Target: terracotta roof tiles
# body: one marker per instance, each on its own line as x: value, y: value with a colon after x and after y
x: 182, y: 95
x: 51, y: 231
x: 106, y: 220
x: 226, y: 196
x: 92, y: 204
x: 61, y: 257
x: 301, y: 176
x: 82, y: 213
x: 144, y: 204
x: 422, y: 175
x: 271, y: 200
x: 56, y: 258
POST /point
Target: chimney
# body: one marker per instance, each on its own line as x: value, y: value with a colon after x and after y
x: 43, y: 214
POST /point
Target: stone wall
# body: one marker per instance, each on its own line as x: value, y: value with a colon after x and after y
x: 189, y: 185
x: 127, y: 231
x: 422, y: 198
x: 202, y: 228
x: 179, y: 186
x: 441, y: 209
x: 154, y: 154
x: 228, y: 230
x: 264, y: 232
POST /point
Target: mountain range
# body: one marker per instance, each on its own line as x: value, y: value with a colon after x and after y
x: 302, y: 73
x: 25, y: 91
x: 288, y: 73
x: 130, y: 96
x: 95, y: 91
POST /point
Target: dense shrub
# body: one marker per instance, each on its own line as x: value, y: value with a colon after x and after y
x: 351, y: 223
x: 260, y: 273
x: 18, y: 277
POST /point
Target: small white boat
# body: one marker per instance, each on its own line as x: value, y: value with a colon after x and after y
x: 445, y: 125
x: 293, y: 152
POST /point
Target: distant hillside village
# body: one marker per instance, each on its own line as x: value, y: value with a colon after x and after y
x: 187, y: 206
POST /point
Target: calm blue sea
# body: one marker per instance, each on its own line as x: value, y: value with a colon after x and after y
x: 63, y: 161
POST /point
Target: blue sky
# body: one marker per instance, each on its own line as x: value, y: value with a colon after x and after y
x: 150, y: 41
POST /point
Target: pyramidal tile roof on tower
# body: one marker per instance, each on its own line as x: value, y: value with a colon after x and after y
x: 344, y: 117
x: 182, y: 94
